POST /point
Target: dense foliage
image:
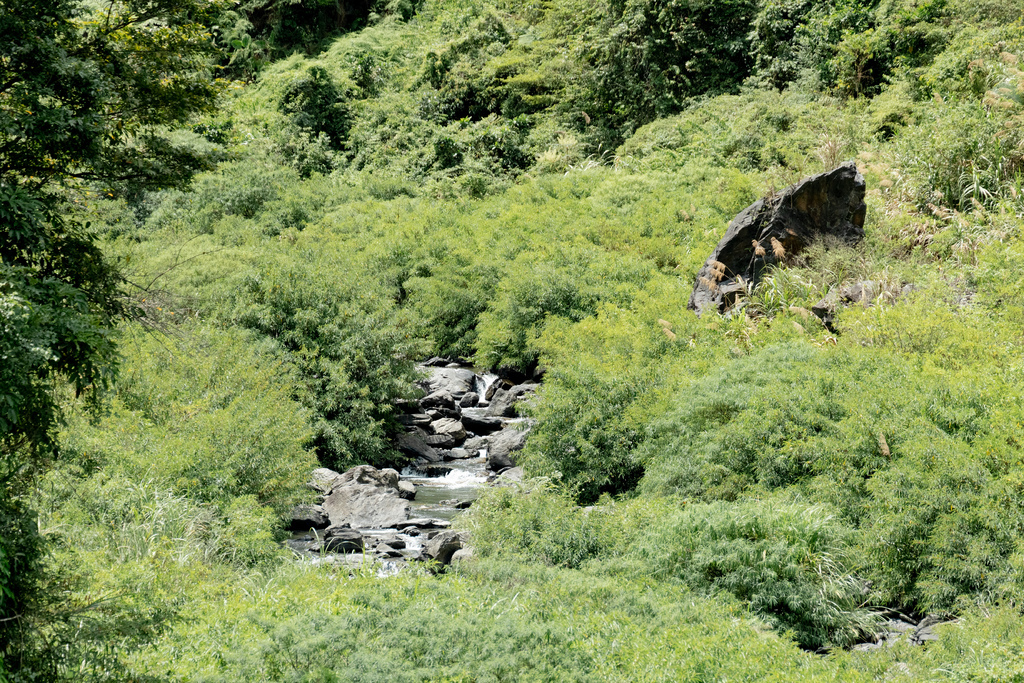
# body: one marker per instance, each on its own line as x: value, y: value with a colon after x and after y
x: 532, y: 187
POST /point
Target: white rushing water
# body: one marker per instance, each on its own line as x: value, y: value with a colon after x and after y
x: 435, y: 493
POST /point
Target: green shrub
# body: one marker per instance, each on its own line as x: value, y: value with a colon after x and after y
x: 348, y: 345
x: 650, y: 57
x: 787, y: 561
x: 314, y: 103
x: 206, y: 415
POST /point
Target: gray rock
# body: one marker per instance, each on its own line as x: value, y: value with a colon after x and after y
x: 495, y: 386
x: 367, y: 475
x: 504, y: 445
x: 503, y: 403
x: 306, y: 517
x: 342, y: 539
x: 470, y: 400
x: 413, y: 419
x: 406, y: 490
x: 925, y: 630
x: 323, y: 479
x: 450, y: 427
x: 511, y: 476
x: 458, y: 454
x: 829, y: 204
x: 826, y: 308
x: 438, y: 399
x: 482, y: 425
x: 455, y: 381
x: 368, y: 498
x: 477, y: 444
x: 464, y: 554
x: 864, y: 293
x: 441, y: 441
x: 442, y: 546
x: 415, y: 447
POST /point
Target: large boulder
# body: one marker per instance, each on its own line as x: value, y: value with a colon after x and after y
x: 366, y: 498
x: 773, y: 229
x: 503, y: 401
x: 454, y: 381
x: 503, y: 446
x: 449, y: 427
x: 438, y: 399
x: 482, y: 425
x: 442, y: 546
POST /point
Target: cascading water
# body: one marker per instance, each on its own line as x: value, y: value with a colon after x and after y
x: 438, y: 497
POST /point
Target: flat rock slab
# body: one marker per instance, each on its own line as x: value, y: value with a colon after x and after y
x: 365, y: 507
x: 773, y: 229
x: 482, y: 425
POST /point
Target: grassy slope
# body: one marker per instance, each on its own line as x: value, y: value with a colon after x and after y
x: 756, y: 442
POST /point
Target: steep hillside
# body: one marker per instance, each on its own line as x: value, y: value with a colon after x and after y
x: 532, y: 188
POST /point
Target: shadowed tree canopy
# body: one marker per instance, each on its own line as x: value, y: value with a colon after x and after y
x: 86, y: 95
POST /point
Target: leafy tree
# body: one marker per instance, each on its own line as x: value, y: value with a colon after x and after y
x: 654, y: 55
x: 85, y: 99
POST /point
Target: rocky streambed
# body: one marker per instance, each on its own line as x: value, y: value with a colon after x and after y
x: 462, y: 435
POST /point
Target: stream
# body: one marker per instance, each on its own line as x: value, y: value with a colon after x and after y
x: 445, y: 488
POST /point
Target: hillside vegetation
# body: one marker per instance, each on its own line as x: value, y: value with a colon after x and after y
x: 343, y: 189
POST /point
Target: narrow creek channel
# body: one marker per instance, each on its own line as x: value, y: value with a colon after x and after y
x: 461, y: 434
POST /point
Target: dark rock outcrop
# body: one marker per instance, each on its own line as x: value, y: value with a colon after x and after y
x: 306, y: 517
x: 416, y: 448
x: 778, y: 227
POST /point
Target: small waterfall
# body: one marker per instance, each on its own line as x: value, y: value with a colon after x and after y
x: 483, y: 383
